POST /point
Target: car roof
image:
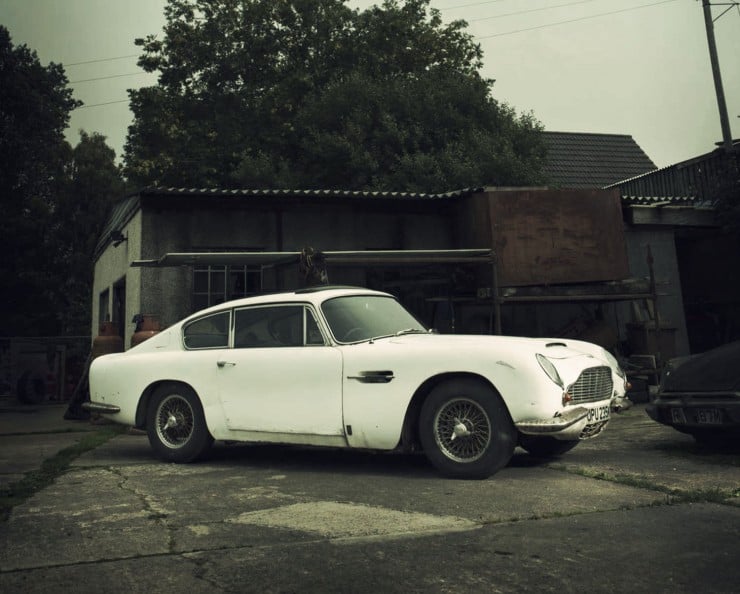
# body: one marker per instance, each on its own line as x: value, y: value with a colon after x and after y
x: 315, y: 295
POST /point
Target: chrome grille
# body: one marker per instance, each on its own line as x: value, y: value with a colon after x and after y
x: 595, y: 383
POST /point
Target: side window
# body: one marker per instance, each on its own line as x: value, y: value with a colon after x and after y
x: 208, y: 333
x: 275, y: 326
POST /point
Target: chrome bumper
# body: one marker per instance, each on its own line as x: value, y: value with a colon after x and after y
x: 101, y: 407
x: 555, y: 424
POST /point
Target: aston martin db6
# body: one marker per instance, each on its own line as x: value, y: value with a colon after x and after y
x: 352, y: 368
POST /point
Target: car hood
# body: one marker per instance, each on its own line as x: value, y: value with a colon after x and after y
x: 552, y: 348
x: 717, y: 370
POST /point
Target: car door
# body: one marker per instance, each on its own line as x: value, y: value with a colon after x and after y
x: 281, y: 376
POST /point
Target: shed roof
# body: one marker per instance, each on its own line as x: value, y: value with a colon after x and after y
x: 290, y: 193
x: 587, y: 160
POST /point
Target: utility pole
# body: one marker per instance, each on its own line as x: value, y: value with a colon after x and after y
x: 723, y: 117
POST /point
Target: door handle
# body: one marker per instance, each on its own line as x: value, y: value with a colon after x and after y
x: 225, y: 363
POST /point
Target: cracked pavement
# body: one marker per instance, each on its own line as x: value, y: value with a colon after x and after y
x: 640, y: 508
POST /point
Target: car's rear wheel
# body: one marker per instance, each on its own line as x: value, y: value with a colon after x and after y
x: 465, y: 429
x: 544, y: 446
x: 176, y: 425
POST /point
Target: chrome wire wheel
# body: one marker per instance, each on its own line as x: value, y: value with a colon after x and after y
x: 462, y: 430
x: 174, y: 421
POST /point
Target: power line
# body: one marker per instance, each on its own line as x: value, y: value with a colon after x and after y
x: 469, y: 5
x: 74, y: 82
x: 593, y: 16
x: 508, y: 14
x: 99, y: 104
x: 102, y: 60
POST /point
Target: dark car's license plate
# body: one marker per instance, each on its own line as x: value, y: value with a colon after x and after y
x: 708, y: 416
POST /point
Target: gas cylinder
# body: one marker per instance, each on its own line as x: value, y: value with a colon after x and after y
x: 147, y: 325
x: 107, y: 341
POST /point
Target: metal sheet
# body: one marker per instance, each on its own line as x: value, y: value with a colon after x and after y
x: 388, y: 257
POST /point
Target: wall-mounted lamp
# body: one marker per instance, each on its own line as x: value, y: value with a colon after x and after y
x: 117, y: 237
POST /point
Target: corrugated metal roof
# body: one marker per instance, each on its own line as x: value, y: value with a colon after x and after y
x: 689, y: 182
x: 587, y: 160
x: 120, y: 215
x: 288, y: 193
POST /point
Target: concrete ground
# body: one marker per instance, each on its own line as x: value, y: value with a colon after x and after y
x: 641, y: 508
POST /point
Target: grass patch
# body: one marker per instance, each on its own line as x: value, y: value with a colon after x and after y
x: 712, y: 495
x: 32, y: 482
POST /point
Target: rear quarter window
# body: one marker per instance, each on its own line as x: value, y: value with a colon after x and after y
x: 211, y: 332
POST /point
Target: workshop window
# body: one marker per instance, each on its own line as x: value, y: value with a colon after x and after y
x: 215, y: 284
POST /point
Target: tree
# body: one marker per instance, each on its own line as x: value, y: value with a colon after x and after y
x: 311, y: 94
x: 92, y: 183
x: 54, y: 199
x: 34, y: 111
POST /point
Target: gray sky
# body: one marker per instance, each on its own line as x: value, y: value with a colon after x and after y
x: 638, y: 67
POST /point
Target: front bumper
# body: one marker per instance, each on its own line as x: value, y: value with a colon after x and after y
x: 575, y: 423
x: 101, y: 407
x: 690, y: 409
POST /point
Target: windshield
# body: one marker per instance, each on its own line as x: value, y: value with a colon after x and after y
x: 361, y: 317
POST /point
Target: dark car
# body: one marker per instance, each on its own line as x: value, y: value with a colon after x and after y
x: 700, y: 395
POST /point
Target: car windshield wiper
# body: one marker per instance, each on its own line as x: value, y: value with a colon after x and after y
x: 399, y: 333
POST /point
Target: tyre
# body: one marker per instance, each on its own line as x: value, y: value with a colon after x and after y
x: 176, y: 425
x: 465, y: 430
x: 546, y: 447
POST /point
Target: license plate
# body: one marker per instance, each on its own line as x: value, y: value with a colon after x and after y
x: 600, y: 413
x: 708, y: 416
x: 677, y: 416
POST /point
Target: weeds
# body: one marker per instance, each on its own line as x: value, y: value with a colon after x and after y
x: 673, y: 495
x: 32, y: 482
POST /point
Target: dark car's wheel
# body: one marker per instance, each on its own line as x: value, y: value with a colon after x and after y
x: 543, y: 446
x: 465, y: 430
x: 176, y: 425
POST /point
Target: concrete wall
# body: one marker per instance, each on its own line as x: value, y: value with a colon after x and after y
x: 113, y: 267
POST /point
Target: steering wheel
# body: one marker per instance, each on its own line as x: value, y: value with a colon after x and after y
x: 357, y: 332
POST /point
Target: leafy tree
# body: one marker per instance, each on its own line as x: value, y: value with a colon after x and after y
x: 92, y: 183
x: 312, y: 94
x: 54, y: 199
x: 34, y: 111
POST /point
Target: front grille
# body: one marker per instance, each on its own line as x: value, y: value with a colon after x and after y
x: 595, y: 383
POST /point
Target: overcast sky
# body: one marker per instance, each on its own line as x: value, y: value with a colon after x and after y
x: 637, y: 67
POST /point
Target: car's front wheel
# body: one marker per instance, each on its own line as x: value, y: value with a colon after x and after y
x: 544, y: 446
x: 176, y: 425
x: 465, y: 429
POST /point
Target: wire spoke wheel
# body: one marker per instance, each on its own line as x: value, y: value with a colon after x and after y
x: 176, y: 425
x: 175, y: 421
x: 466, y: 430
x: 462, y: 430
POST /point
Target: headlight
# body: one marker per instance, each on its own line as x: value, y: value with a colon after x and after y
x: 549, y: 369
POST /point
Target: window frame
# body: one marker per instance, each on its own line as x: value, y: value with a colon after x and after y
x: 306, y: 310
x: 229, y: 330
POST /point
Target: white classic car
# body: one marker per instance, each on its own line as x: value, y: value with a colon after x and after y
x: 351, y: 368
